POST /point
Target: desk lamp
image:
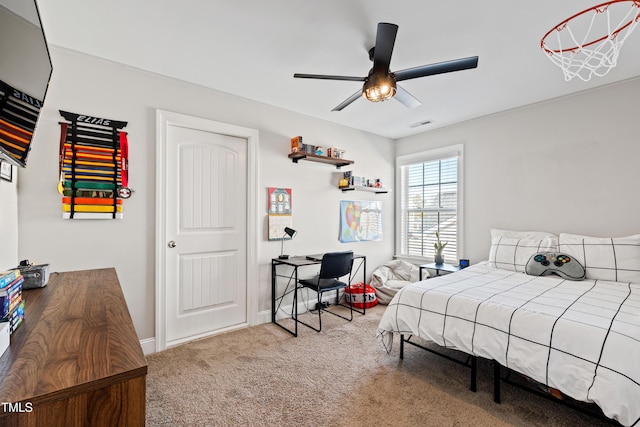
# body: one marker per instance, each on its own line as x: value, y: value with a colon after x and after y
x: 287, y: 232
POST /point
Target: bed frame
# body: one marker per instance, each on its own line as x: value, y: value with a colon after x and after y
x: 470, y: 362
x: 502, y: 374
x: 590, y: 409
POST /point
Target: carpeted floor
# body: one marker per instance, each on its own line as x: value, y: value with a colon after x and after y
x: 263, y: 376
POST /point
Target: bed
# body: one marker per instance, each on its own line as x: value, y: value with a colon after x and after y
x: 581, y: 337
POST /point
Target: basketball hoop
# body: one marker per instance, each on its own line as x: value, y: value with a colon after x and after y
x: 596, y: 54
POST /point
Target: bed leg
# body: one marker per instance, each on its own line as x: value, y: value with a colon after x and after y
x: 474, y: 371
x: 401, y: 346
x: 496, y: 382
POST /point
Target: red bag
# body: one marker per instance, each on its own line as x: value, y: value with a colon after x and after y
x: 361, y: 296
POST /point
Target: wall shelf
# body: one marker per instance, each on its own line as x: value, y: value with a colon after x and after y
x: 321, y: 159
x: 377, y: 190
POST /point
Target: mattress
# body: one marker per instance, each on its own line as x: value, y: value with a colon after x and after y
x: 580, y: 337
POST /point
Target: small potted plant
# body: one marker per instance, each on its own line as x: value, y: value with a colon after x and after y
x: 439, y: 247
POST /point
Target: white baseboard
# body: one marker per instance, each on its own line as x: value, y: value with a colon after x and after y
x: 149, y: 344
x: 263, y: 317
x: 283, y: 313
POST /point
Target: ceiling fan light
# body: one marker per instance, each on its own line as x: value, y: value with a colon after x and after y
x: 379, y: 87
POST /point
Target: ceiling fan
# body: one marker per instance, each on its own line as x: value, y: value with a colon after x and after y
x: 380, y: 84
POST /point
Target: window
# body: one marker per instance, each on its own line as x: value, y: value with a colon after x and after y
x: 429, y: 203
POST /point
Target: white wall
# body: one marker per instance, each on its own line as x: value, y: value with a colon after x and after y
x: 86, y: 85
x: 567, y: 165
x: 570, y: 164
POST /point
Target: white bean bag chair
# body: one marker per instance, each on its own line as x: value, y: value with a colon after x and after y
x: 391, y: 277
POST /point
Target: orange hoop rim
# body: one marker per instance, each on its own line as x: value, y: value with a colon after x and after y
x: 562, y: 24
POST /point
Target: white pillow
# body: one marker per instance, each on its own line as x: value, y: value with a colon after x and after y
x: 615, y: 259
x: 529, y: 235
x: 511, y: 250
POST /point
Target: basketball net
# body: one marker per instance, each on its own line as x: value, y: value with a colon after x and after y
x: 579, y: 44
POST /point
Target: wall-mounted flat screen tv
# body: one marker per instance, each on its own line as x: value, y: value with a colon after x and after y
x: 25, y: 71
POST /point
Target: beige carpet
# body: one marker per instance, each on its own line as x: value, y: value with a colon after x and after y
x: 263, y: 376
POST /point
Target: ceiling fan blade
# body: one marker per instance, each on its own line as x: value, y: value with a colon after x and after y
x: 439, y: 68
x: 385, y: 39
x: 348, y: 101
x: 327, y: 77
x: 406, y: 98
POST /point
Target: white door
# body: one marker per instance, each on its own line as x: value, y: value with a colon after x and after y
x: 205, y: 254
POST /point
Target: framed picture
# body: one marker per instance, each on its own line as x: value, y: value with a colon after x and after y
x: 6, y: 171
x: 360, y: 220
x: 279, y: 201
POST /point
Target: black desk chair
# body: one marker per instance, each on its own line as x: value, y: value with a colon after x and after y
x: 334, y: 266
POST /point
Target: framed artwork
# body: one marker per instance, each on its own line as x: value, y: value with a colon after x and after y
x: 6, y: 170
x: 360, y: 221
x: 277, y: 223
x: 279, y: 201
x: 279, y: 210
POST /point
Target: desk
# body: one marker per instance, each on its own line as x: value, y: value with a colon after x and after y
x: 292, y: 279
x: 440, y: 267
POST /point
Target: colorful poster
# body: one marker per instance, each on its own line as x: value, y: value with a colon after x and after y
x: 360, y: 220
x: 279, y: 201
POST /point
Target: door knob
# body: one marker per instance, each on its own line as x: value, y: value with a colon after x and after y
x: 172, y: 244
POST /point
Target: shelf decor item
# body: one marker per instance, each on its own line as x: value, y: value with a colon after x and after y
x: 296, y: 144
x: 316, y: 153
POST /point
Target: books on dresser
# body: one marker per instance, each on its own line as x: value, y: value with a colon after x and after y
x: 11, y: 303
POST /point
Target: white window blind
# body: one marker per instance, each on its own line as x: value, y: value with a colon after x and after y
x: 429, y: 204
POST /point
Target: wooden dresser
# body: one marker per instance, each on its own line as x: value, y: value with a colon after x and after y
x: 76, y: 359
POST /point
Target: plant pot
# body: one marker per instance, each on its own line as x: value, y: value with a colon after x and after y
x: 439, y: 259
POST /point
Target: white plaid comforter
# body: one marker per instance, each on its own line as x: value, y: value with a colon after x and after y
x: 582, y: 338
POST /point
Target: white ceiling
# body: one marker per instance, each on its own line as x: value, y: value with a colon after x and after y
x: 252, y: 48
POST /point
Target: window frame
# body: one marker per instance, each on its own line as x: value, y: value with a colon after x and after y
x: 457, y: 151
